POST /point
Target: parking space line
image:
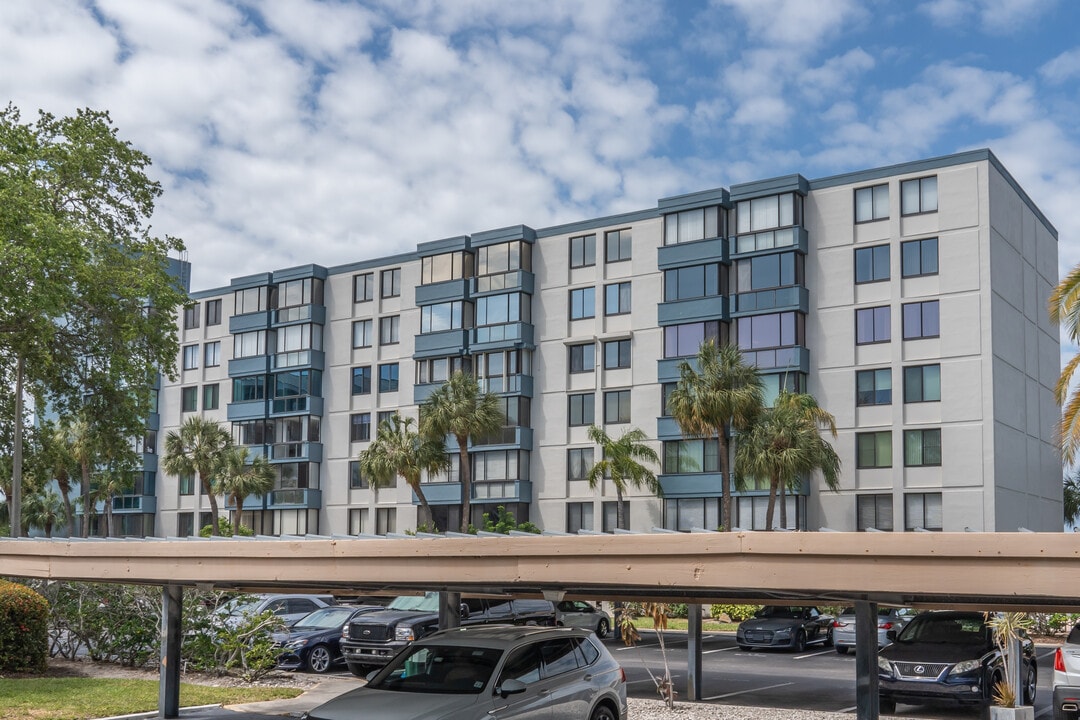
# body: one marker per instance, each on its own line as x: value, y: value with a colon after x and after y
x: 750, y: 690
x: 724, y: 649
x: 820, y: 652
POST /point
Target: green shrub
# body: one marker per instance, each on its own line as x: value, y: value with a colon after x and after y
x: 242, y: 646
x: 676, y: 610
x: 735, y: 613
x: 24, y: 620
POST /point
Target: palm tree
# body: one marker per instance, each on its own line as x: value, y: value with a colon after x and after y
x: 1064, y: 306
x: 785, y: 443
x: 620, y: 460
x: 400, y: 450
x: 237, y: 478
x: 197, y: 449
x: 1071, y: 496
x: 109, y: 484
x: 63, y: 462
x: 82, y: 443
x: 460, y: 408
x: 45, y: 510
x: 722, y: 394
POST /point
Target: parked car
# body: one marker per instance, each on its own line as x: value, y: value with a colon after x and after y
x: 783, y: 626
x: 370, y: 640
x: 1066, y: 682
x: 288, y: 607
x: 314, y: 641
x: 578, y: 613
x: 889, y: 618
x: 476, y: 673
x: 947, y: 655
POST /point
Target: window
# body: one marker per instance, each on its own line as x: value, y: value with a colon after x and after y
x: 251, y: 300
x: 617, y: 298
x: 296, y: 293
x: 578, y: 463
x: 442, y: 316
x: 501, y: 309
x: 691, y: 456
x: 770, y: 330
x: 919, y: 257
x: 691, y: 225
x: 685, y: 340
x: 189, y: 399
x: 388, y: 377
x: 213, y: 312
x: 357, y: 480
x: 445, y: 267
x: 210, y: 397
x: 361, y: 380
x: 922, y: 510
x: 246, y: 389
x: 617, y: 245
x: 185, y: 524
x: 872, y: 203
x: 582, y: 303
x: 616, y: 354
x: 617, y: 406
x: 921, y: 320
x: 922, y: 448
x: 581, y: 409
x: 503, y: 258
x: 610, y: 509
x: 293, y: 338
x: 922, y: 383
x: 388, y: 330
x: 249, y: 344
x: 873, y: 325
x: 695, y: 281
x: 361, y: 333
x: 185, y: 484
x: 439, y: 369
x: 191, y: 357
x: 582, y: 358
x: 874, y: 511
x: 582, y: 251
x: 383, y: 416
x: 665, y: 397
x: 212, y: 354
x: 873, y: 387
x: 872, y: 264
x: 764, y: 272
x: 873, y: 449
x: 918, y: 196
x: 360, y: 427
x: 363, y: 287
x: 766, y: 213
x: 191, y: 316
x: 391, y: 283
x: 298, y: 382
x: 579, y: 516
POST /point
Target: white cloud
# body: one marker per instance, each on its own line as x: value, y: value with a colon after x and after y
x: 999, y: 17
x: 1062, y: 68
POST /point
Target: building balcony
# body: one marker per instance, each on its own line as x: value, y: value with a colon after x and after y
x: 692, y: 253
x: 255, y: 365
x: 300, y: 313
x: 495, y: 337
x: 310, y: 451
x: 294, y: 499
x: 440, y: 493
x: 508, y: 437
x: 297, y: 405
x: 153, y: 421
x: 438, y: 344
x: 696, y: 310
x: 149, y: 462
x: 521, y: 280
x: 249, y: 321
x: 795, y: 297
x: 769, y: 241
x: 503, y: 491
x: 248, y: 410
x: 134, y: 504
x: 442, y: 291
x: 511, y: 384
x: 314, y: 359
x: 789, y: 358
x: 667, y: 428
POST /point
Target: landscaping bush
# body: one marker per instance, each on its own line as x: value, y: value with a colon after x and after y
x: 24, y: 619
x: 734, y: 613
x: 676, y: 610
x: 241, y: 645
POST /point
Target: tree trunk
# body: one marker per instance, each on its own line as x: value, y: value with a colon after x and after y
x: 620, y: 521
x: 425, y: 509
x: 214, y: 526
x: 64, y: 483
x: 85, y: 467
x: 17, y: 455
x: 106, y: 529
x: 466, y: 483
x: 783, y: 505
x: 774, y: 482
x: 725, y: 485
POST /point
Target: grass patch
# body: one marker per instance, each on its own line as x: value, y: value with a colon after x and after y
x: 79, y: 698
x: 646, y: 623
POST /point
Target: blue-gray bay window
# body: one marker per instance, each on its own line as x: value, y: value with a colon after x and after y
x: 763, y: 272
x: 771, y: 330
x: 695, y: 281
x: 501, y: 309
x: 685, y: 340
x: 440, y: 317
x: 691, y: 225
x: 691, y: 456
x: 445, y: 267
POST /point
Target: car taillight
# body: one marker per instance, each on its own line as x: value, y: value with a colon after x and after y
x: 885, y: 626
x: 836, y: 623
x: 1059, y: 661
x: 622, y: 674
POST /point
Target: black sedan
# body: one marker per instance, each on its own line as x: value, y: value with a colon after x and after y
x: 313, y: 642
x: 782, y: 626
x: 947, y: 656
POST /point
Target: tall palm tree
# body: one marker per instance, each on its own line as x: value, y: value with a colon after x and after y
x: 1071, y: 496
x: 621, y: 461
x: 236, y: 478
x: 45, y: 510
x: 63, y: 463
x: 785, y: 443
x: 82, y: 442
x: 109, y: 484
x: 721, y: 394
x: 197, y: 449
x: 1064, y: 306
x: 460, y: 408
x: 400, y: 450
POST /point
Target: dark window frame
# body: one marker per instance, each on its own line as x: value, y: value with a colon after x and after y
x: 875, y: 252
x: 861, y: 399
x: 876, y: 317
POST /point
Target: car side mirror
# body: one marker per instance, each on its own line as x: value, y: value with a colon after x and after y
x: 463, y: 611
x: 890, y: 635
x: 511, y: 686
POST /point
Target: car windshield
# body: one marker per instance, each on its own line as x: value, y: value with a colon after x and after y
x: 444, y: 669
x: 779, y: 611
x: 428, y: 602
x: 945, y: 630
x: 324, y: 619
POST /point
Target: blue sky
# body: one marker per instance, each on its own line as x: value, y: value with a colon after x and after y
x: 293, y: 131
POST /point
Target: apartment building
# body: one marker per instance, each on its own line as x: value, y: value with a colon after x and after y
x: 909, y: 300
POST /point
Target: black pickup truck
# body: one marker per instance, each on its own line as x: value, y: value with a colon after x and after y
x: 370, y: 640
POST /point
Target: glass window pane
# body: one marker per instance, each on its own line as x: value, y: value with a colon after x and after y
x: 928, y: 194
x: 864, y: 204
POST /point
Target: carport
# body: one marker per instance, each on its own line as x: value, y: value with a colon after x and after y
x: 1037, y: 572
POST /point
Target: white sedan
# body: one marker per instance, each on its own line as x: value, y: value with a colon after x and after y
x: 576, y: 613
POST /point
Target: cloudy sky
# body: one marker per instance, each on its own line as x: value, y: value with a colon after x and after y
x: 293, y: 131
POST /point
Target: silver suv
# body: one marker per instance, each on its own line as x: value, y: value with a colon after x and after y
x: 1066, y: 682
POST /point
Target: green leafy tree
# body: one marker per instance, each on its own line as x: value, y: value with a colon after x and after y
x: 621, y: 461
x: 111, y: 482
x: 785, y: 443
x: 45, y: 510
x: 505, y: 522
x: 398, y: 450
x: 1071, y: 496
x: 197, y: 449
x: 460, y: 408
x: 78, y: 270
x: 237, y: 478
x: 721, y: 393
x: 63, y: 464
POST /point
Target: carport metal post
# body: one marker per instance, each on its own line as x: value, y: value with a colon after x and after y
x: 693, y: 648
x: 449, y: 610
x: 172, y: 597
x: 866, y: 668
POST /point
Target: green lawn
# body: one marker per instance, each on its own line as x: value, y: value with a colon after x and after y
x: 79, y: 698
x: 646, y: 623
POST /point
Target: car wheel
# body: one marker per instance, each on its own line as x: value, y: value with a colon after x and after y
x: 744, y: 647
x: 886, y: 705
x: 1031, y: 681
x: 828, y: 638
x: 602, y: 628
x: 319, y: 660
x: 359, y: 670
x: 841, y: 649
x: 800, y: 641
x: 602, y: 712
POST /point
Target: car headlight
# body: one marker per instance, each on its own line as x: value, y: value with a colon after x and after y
x: 884, y: 665
x: 296, y: 644
x: 404, y: 634
x: 784, y: 632
x: 965, y: 666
